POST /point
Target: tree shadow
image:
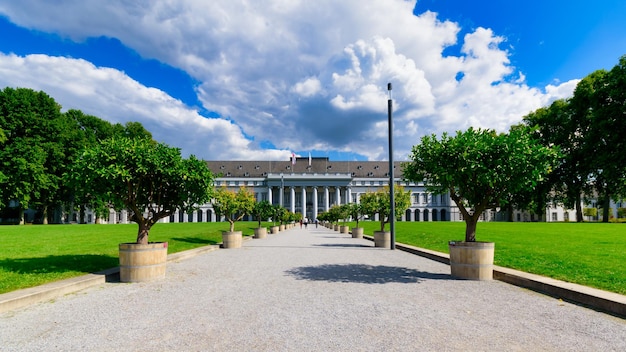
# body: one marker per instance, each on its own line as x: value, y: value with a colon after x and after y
x: 353, y: 245
x: 194, y: 240
x: 365, y: 274
x: 87, y: 263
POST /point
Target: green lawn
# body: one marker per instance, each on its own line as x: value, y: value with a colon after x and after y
x: 32, y: 255
x: 591, y: 254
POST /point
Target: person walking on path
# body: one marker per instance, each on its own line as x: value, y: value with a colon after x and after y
x: 306, y: 222
x: 300, y: 223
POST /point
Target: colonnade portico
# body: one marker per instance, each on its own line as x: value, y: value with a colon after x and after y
x: 302, y: 193
x: 307, y: 200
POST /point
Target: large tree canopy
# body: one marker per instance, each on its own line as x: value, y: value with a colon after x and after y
x: 480, y: 169
x: 32, y: 158
x: 151, y: 180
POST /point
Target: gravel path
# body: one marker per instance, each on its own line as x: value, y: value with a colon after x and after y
x: 309, y: 290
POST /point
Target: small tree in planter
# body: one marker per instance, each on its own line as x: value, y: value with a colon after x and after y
x: 379, y: 203
x: 357, y: 211
x: 233, y: 206
x: 343, y: 211
x: 150, y: 179
x: 261, y: 211
x: 277, y: 216
x: 481, y: 170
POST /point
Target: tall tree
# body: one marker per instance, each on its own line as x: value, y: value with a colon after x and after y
x: 480, y: 169
x: 32, y: 157
x: 607, y: 108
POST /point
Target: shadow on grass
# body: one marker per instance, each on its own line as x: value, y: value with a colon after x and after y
x: 365, y: 274
x: 194, y: 240
x: 86, y: 263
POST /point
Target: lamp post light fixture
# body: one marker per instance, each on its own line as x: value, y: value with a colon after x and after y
x: 392, y: 202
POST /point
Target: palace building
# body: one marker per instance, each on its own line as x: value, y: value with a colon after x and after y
x: 310, y: 186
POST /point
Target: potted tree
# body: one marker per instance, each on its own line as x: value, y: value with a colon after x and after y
x: 151, y: 180
x: 262, y: 211
x: 333, y: 216
x: 379, y: 203
x: 277, y: 215
x: 357, y: 211
x: 482, y: 170
x: 344, y: 214
x: 233, y: 206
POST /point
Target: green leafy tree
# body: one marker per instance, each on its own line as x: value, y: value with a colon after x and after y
x: 233, y: 205
x: 344, y: 212
x: 480, y: 169
x: 32, y: 157
x: 606, y: 139
x: 379, y: 202
x: 262, y: 211
x: 277, y: 214
x: 357, y: 211
x: 151, y: 180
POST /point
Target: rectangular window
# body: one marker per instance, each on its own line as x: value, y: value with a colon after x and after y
x: 554, y: 216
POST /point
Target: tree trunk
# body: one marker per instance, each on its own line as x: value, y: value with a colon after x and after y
x: 606, y: 208
x: 142, y: 234
x: 20, y: 215
x: 579, y: 210
x: 44, y: 211
x: 509, y: 213
x: 470, y: 228
x: 81, y: 215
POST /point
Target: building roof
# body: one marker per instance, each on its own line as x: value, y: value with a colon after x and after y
x: 318, y: 165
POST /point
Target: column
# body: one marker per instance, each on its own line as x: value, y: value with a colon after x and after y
x: 194, y: 216
x: 303, y: 201
x: 293, y: 199
x: 338, y: 195
x: 326, y: 196
x: 281, y: 196
x: 176, y: 216
x: 185, y: 217
x: 314, y: 203
x: 348, y: 195
x: 269, y: 194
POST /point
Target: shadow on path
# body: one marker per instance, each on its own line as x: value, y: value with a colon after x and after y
x: 350, y: 245
x: 361, y: 273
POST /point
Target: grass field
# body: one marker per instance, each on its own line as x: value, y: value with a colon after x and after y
x: 32, y: 255
x: 591, y: 254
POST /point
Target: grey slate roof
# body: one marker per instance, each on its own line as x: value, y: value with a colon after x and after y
x: 319, y: 165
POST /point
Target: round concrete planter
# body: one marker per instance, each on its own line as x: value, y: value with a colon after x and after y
x: 382, y: 239
x: 260, y: 232
x: 232, y: 239
x: 357, y: 232
x: 344, y: 229
x: 471, y: 260
x: 281, y: 228
x: 336, y: 227
x: 274, y: 230
x: 142, y: 262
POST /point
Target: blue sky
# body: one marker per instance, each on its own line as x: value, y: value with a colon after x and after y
x: 228, y: 79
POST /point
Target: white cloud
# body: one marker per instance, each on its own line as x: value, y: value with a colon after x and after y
x: 300, y: 74
x: 111, y: 95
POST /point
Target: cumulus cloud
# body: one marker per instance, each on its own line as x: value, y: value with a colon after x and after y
x: 112, y: 95
x: 298, y: 74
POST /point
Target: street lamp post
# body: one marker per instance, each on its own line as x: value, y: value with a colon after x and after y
x: 392, y: 203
